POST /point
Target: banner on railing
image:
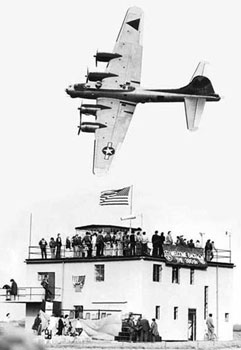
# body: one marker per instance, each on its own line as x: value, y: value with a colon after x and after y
x: 179, y: 255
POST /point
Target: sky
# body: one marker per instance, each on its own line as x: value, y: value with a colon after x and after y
x: 184, y: 182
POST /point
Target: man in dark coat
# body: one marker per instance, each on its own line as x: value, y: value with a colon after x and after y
x: 160, y: 244
x: 37, y: 325
x: 60, y: 326
x: 13, y: 288
x: 43, y: 244
x: 45, y: 285
x: 155, y: 243
x: 144, y: 323
x: 58, y: 243
x: 133, y: 243
x: 100, y: 244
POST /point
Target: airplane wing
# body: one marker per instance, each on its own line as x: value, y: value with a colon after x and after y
x: 108, y: 140
x: 127, y: 69
x: 129, y: 46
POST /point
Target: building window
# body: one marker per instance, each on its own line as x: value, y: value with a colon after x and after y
x: 192, y: 276
x: 226, y: 317
x: 175, y: 314
x: 205, y: 302
x: 175, y: 275
x: 157, y: 271
x: 157, y: 312
x: 99, y: 273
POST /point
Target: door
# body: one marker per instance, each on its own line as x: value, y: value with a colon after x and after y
x: 192, y: 319
x: 51, y: 281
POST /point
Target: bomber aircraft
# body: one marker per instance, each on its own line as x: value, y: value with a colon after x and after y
x: 117, y: 91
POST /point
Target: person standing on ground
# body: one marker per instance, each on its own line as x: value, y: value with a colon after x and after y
x: 37, y: 325
x: 145, y: 329
x: 210, y: 326
x: 60, y: 325
x: 154, y: 330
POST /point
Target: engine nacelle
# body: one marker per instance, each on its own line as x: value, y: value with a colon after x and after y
x: 91, y: 127
x: 88, y: 111
x: 98, y: 76
x: 105, y: 56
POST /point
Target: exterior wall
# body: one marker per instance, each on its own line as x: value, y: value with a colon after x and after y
x: 121, y: 279
x: 128, y: 286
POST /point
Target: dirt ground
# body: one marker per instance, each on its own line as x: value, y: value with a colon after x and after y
x: 107, y: 345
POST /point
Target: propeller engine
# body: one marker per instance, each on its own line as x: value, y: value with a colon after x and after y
x: 98, y: 76
x: 105, y: 56
x: 90, y: 109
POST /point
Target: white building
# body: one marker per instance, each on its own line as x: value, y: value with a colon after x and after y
x: 179, y: 290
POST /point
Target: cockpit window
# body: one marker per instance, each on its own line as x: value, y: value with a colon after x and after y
x: 79, y: 87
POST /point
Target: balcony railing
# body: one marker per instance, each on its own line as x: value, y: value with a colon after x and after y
x: 218, y: 255
x: 28, y: 294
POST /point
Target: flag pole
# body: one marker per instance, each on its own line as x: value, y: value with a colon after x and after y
x: 30, y: 235
x: 131, y: 199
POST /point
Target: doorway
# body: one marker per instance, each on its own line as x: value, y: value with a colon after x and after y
x: 192, y: 322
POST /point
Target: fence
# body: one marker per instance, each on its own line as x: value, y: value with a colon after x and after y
x: 28, y: 294
x: 219, y: 255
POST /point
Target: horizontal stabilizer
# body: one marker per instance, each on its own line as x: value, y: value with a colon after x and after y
x: 194, y: 109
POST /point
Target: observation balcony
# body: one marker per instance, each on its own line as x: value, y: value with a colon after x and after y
x: 183, y: 255
x: 27, y: 294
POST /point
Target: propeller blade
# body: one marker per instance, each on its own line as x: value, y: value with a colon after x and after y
x: 87, y: 75
x: 96, y: 61
x: 80, y: 115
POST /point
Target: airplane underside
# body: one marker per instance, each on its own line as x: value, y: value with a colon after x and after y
x: 117, y: 91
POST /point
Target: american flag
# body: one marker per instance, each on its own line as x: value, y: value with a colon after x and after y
x: 115, y: 197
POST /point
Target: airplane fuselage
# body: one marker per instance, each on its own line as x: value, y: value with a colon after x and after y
x: 136, y: 95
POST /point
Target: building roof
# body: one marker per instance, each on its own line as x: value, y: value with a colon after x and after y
x: 96, y: 227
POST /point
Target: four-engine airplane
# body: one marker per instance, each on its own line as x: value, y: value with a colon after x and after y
x: 117, y: 91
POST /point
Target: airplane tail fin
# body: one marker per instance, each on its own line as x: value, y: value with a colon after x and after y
x: 194, y: 106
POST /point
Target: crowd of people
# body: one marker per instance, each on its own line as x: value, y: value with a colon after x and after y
x: 141, y: 330
x: 62, y: 325
x: 119, y: 243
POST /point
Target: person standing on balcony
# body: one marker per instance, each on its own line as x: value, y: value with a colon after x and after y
x: 100, y: 244
x: 52, y: 247
x: 169, y: 239
x: 13, y: 288
x: 160, y: 244
x: 87, y: 241
x: 155, y: 243
x: 144, y: 243
x: 43, y: 244
x: 58, y: 243
x: 133, y: 243
x: 208, y: 250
